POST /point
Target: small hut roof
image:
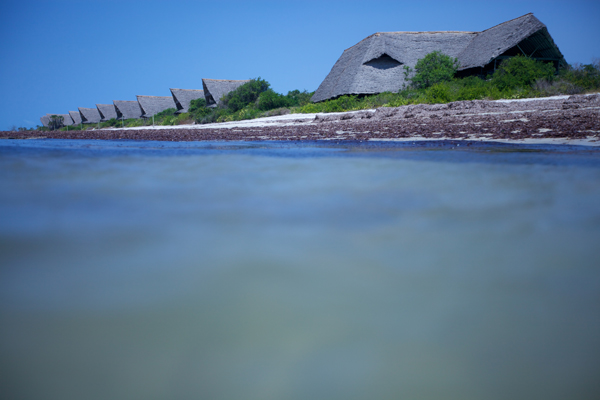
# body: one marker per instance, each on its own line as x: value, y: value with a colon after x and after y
x: 89, y: 115
x: 127, y: 109
x: 183, y: 98
x: 152, y: 105
x: 215, y: 89
x: 45, y: 119
x: 107, y: 111
x: 375, y: 64
x: 67, y: 120
x: 76, y: 117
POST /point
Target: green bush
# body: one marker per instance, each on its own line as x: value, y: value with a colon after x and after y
x: 521, y: 72
x: 245, y: 94
x: 269, y: 100
x: 586, y: 76
x: 434, y: 68
x: 297, y: 98
x: 439, y: 93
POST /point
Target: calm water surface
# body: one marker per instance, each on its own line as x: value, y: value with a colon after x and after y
x: 213, y: 270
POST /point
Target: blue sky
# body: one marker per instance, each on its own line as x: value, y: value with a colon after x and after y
x: 60, y: 55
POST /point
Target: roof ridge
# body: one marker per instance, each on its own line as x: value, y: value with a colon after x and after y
x: 158, y: 97
x: 226, y: 80
x: 506, y: 22
x: 412, y: 33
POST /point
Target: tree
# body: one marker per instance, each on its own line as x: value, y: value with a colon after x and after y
x: 521, y: 71
x: 56, y: 122
x: 434, y: 68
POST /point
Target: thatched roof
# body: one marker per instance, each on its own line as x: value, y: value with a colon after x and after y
x: 76, y: 117
x: 152, y: 105
x: 376, y: 64
x: 215, y: 89
x: 89, y: 115
x: 67, y: 120
x: 127, y: 109
x: 183, y: 97
x: 107, y: 111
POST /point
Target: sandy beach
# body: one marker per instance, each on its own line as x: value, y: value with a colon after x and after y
x: 553, y: 120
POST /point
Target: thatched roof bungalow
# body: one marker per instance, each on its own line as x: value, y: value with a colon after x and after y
x: 89, y: 115
x: 67, y: 120
x: 215, y: 89
x: 127, y: 109
x: 183, y: 98
x: 76, y: 117
x: 152, y: 105
x: 376, y: 64
x: 107, y: 111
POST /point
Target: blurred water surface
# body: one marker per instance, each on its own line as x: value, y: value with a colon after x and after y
x: 215, y: 270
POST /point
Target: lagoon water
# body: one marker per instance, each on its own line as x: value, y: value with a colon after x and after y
x: 220, y: 270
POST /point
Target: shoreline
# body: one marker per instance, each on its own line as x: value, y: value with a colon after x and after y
x: 554, y: 120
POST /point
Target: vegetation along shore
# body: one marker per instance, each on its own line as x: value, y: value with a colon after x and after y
x: 436, y: 104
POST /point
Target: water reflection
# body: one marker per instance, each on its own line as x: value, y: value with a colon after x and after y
x: 270, y: 271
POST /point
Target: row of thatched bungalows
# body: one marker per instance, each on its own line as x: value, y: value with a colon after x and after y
x: 148, y: 106
x: 379, y: 63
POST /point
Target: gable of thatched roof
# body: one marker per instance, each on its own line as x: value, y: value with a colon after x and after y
x: 376, y: 64
x: 525, y: 35
x: 76, y: 117
x: 183, y: 98
x: 107, y: 111
x: 215, y: 89
x: 152, y: 105
x: 89, y: 115
x: 127, y: 109
x: 45, y: 119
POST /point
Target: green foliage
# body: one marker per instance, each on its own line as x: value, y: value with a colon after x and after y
x: 244, y: 95
x: 585, y: 77
x: 269, y: 100
x: 434, y: 68
x: 521, y: 72
x: 439, y: 93
x: 297, y: 98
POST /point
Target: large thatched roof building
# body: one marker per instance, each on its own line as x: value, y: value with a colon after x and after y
x: 215, y: 89
x: 183, y: 98
x: 76, y: 117
x: 107, y: 111
x: 127, y: 109
x: 89, y: 115
x: 152, y: 105
x: 376, y: 64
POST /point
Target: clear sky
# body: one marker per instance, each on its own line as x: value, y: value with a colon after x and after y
x: 61, y: 55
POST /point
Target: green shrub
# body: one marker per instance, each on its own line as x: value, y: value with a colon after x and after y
x: 245, y: 94
x: 521, y: 72
x: 586, y: 77
x: 297, y: 98
x: 439, y: 93
x: 434, y: 68
x: 269, y: 100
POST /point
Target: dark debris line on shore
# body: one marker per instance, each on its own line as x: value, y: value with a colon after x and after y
x: 575, y: 118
